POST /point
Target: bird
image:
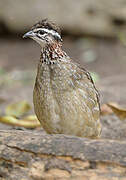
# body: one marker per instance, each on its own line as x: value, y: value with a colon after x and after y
x: 65, y: 98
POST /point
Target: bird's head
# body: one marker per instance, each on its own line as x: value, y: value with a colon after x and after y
x: 44, y: 32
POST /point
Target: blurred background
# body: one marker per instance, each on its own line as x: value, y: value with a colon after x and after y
x: 94, y: 34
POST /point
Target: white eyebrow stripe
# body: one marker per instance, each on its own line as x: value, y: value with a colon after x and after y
x: 54, y: 33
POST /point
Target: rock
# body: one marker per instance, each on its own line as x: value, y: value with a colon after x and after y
x: 32, y: 155
x: 102, y: 18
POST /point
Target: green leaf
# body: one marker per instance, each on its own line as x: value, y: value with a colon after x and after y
x: 94, y: 76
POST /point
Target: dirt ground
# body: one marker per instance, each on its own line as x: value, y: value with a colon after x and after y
x: 107, y: 58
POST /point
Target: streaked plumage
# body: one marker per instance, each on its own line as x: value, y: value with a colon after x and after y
x: 65, y: 98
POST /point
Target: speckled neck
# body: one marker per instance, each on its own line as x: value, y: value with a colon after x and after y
x: 51, y: 53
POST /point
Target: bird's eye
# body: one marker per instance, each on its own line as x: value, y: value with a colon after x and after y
x: 41, y: 32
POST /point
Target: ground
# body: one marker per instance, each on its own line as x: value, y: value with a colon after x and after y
x: 106, y: 57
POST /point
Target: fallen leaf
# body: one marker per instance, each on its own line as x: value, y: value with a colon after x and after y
x: 31, y: 118
x: 10, y: 120
x: 105, y: 110
x: 18, y: 109
x: 119, y: 111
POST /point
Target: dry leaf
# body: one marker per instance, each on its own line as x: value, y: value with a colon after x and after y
x: 105, y: 110
x: 31, y: 118
x: 119, y: 111
x: 18, y: 109
x: 10, y: 120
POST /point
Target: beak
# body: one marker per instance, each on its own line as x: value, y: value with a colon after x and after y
x: 29, y: 34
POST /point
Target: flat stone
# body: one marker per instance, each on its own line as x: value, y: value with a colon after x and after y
x: 33, y: 155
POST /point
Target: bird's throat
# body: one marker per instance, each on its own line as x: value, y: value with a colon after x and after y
x: 51, y: 53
